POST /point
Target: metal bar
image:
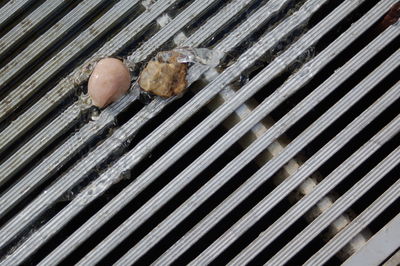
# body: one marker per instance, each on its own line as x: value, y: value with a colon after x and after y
x: 173, y: 27
x: 28, y: 23
x: 111, y: 144
x: 293, y: 148
x: 132, y: 223
x: 103, y: 123
x: 320, y: 190
x: 10, y: 8
x: 225, y: 15
x: 42, y: 43
x: 151, y: 139
x: 394, y: 259
x: 60, y: 156
x: 84, y: 39
x: 362, y: 220
x: 40, y: 141
x: 199, y: 197
x: 80, y: 139
x: 379, y: 247
x: 231, y: 168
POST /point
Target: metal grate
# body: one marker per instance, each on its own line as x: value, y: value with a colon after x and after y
x: 286, y: 153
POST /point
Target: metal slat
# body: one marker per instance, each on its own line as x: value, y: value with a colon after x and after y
x: 229, y: 170
x: 394, y: 259
x: 97, y: 153
x: 255, y: 18
x: 199, y: 197
x: 104, y: 122
x: 40, y: 141
x: 374, y: 253
x: 156, y: 202
x: 64, y: 88
x: 117, y: 176
x: 10, y: 8
x: 59, y: 157
x: 28, y: 23
x: 362, y: 220
x: 320, y: 190
x: 43, y: 42
x: 225, y: 15
x: 40, y: 108
x: 245, y: 121
x: 293, y: 148
x: 173, y: 27
x: 81, y: 138
x: 112, y: 144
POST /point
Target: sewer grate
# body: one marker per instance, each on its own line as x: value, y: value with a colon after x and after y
x: 287, y: 152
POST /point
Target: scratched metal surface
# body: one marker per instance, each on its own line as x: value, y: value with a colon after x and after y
x: 286, y: 152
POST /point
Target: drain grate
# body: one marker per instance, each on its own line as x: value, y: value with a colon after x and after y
x: 287, y: 152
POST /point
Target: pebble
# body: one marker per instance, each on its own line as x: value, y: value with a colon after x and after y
x: 109, y: 81
x: 164, y: 76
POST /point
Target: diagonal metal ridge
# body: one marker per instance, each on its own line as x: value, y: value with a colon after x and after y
x: 65, y: 87
x: 374, y: 252
x: 329, y: 182
x: 34, y: 19
x: 134, y: 122
x: 298, y: 85
x: 362, y: 220
x: 194, y: 100
x: 47, y: 135
x: 293, y: 148
x: 213, y: 185
x: 232, y: 167
x: 311, y: 199
x: 10, y: 8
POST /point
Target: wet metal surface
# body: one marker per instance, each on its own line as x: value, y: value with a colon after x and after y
x: 283, y: 150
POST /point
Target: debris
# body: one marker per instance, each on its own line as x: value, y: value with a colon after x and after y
x: 168, y: 75
x: 109, y: 81
x: 390, y: 18
x: 164, y: 76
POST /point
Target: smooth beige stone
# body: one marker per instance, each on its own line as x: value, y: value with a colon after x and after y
x: 109, y: 81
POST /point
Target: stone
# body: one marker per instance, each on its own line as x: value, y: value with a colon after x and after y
x: 164, y: 76
x: 109, y: 81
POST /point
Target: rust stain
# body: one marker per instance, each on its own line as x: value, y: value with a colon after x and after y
x: 391, y: 17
